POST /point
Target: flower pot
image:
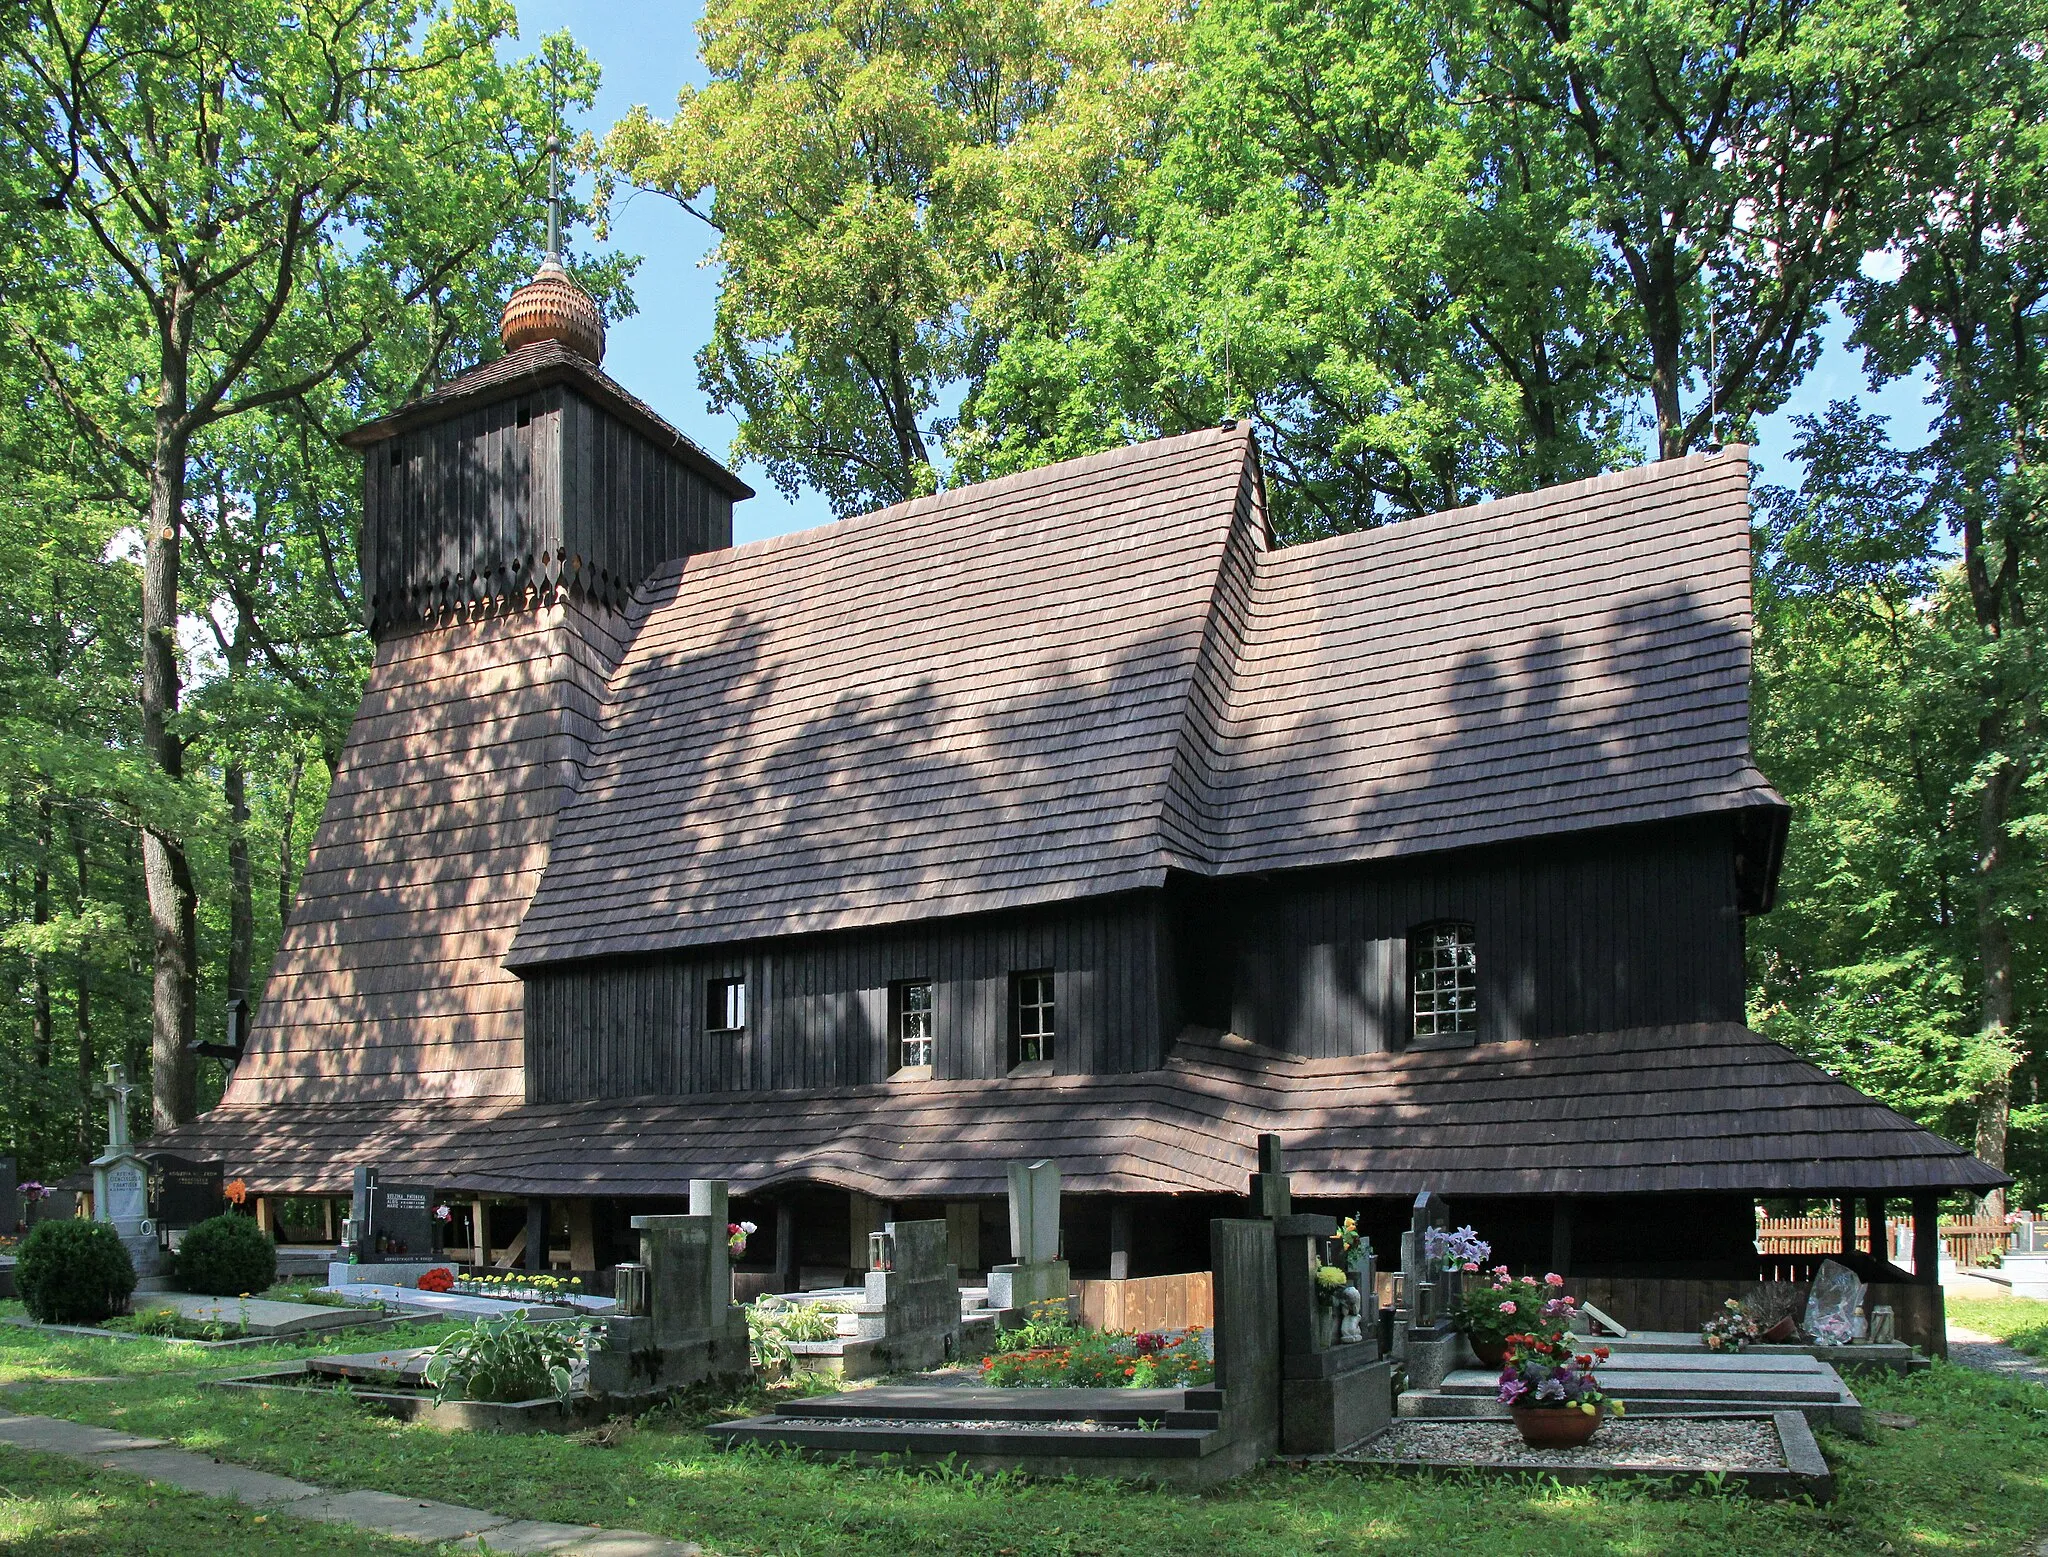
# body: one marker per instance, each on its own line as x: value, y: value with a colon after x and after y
x: 1491, y: 1354
x: 1556, y: 1427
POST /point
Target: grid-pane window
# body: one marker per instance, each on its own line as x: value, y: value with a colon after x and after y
x: 1444, y: 987
x: 913, y: 1024
x: 725, y: 1005
x: 1034, y: 1017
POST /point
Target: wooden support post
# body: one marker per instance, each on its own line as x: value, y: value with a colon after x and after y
x: 1848, y: 1205
x: 480, y: 1232
x: 582, y: 1242
x: 537, y: 1234
x: 787, y: 1275
x: 1873, y: 1237
x: 327, y: 1232
x: 1561, y: 1236
x: 1119, y: 1240
x: 1926, y: 1239
x: 265, y: 1218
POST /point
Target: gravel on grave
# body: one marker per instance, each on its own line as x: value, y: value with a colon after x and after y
x: 979, y: 1424
x: 1666, y: 1441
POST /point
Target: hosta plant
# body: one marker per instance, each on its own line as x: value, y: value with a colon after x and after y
x: 511, y: 1358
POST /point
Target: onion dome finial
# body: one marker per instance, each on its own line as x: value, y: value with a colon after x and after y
x: 552, y: 307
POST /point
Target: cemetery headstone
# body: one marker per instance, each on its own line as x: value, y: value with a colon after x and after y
x: 10, y: 1200
x: 687, y: 1329
x: 1036, y: 1275
x: 120, y: 1182
x: 183, y: 1192
x: 391, y: 1235
x: 1333, y: 1393
x: 1424, y: 1339
x: 910, y: 1308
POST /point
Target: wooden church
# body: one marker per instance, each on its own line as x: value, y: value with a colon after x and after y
x: 1059, y: 816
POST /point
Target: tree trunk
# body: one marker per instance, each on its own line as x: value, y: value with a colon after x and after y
x: 82, y: 1009
x: 286, y: 888
x: 166, y: 873
x: 241, y: 899
x: 44, y: 1029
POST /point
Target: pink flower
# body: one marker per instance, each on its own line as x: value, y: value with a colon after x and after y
x: 1507, y: 1308
x: 1470, y: 1266
x: 1500, y: 1270
x: 1553, y: 1280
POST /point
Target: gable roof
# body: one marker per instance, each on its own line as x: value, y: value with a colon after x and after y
x: 967, y: 702
x: 1069, y: 682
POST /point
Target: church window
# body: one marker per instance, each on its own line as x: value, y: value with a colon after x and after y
x: 1443, y: 980
x: 914, y: 1024
x: 1033, y: 1026
x: 725, y: 1005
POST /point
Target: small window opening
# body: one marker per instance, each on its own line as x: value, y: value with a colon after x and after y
x: 1033, y: 1023
x: 1444, y: 980
x: 725, y: 1005
x: 525, y: 415
x: 914, y: 1024
x: 397, y: 456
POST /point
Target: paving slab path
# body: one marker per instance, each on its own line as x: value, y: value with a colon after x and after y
x: 407, y: 1518
x: 1988, y: 1354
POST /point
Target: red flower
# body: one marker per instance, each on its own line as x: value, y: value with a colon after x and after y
x: 439, y: 1279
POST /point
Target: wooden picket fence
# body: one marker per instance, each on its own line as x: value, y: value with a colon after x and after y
x: 1968, y: 1240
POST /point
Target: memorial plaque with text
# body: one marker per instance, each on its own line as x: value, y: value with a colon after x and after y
x: 184, y: 1193
x: 397, y: 1220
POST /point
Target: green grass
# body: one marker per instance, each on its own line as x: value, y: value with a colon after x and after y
x: 2019, y: 1322
x: 1970, y: 1478
x: 52, y: 1505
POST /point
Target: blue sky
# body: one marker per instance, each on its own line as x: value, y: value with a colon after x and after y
x: 648, y: 50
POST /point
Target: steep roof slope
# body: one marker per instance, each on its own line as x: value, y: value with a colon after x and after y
x: 1064, y: 683
x: 1573, y: 658
x: 967, y: 702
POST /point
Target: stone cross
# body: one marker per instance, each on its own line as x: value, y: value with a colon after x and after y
x: 117, y: 1089
x: 1034, y: 1211
x: 1271, y: 1195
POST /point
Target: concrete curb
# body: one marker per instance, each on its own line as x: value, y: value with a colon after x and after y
x: 384, y: 1513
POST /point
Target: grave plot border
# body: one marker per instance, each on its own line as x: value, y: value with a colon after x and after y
x: 546, y: 1415
x: 1805, y: 1473
x: 234, y: 1343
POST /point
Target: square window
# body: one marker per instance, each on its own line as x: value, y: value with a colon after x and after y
x: 725, y: 1005
x: 1443, y: 980
x: 914, y: 1022
x: 1033, y: 1018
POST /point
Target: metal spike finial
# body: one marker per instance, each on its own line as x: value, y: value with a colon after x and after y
x: 555, y: 198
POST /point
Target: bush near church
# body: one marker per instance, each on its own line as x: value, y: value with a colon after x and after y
x: 226, y: 1256
x: 73, y: 1272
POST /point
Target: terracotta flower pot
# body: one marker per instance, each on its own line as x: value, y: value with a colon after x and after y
x: 1491, y: 1353
x: 1556, y: 1427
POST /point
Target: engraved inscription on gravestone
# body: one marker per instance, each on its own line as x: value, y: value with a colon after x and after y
x: 393, y: 1221
x: 127, y: 1194
x: 184, y: 1192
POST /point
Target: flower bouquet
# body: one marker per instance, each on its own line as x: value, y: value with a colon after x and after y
x: 1492, y: 1312
x: 1552, y: 1392
x: 736, y: 1236
x: 439, y: 1279
x: 1731, y: 1329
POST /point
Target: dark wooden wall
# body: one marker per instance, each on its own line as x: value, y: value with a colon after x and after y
x: 481, y: 505
x: 818, y: 1006
x: 1628, y: 928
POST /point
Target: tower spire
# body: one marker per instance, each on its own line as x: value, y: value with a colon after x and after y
x: 552, y: 307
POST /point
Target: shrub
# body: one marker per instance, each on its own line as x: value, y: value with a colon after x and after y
x: 226, y: 1256
x: 73, y: 1272
x: 508, y: 1359
x: 772, y: 1324
x: 1105, y: 1360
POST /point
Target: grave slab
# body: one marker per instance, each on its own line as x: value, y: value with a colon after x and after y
x: 262, y: 1316
x: 524, y: 1537
x: 210, y: 1477
x: 454, y: 1305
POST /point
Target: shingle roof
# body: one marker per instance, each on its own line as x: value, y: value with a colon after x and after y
x: 967, y: 702
x: 1071, y: 681
x: 1704, y: 1107
x: 534, y: 367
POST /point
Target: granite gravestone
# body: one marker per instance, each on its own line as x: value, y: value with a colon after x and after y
x: 910, y: 1308
x: 10, y: 1199
x: 690, y: 1330
x: 1424, y: 1338
x: 393, y: 1223
x: 183, y: 1192
x: 1036, y: 1276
